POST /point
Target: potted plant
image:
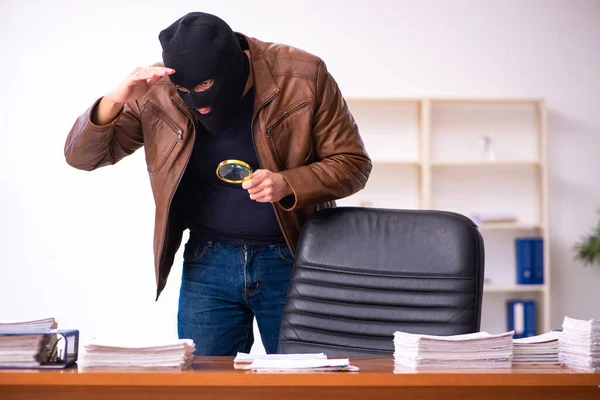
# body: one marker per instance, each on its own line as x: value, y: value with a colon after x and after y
x: 588, y: 248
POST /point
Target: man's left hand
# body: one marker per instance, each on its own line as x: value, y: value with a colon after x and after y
x: 267, y: 187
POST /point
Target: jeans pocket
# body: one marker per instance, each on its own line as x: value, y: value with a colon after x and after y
x: 195, y: 252
x: 285, y: 253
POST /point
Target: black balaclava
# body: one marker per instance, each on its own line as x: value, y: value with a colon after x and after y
x: 200, y: 46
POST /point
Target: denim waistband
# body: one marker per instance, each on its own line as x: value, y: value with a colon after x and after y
x: 198, y: 238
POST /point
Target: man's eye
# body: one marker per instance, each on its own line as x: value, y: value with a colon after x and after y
x: 182, y: 89
x: 204, y: 85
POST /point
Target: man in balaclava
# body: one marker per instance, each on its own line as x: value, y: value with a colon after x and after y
x: 220, y: 96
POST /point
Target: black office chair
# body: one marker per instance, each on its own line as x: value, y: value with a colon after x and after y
x: 361, y: 274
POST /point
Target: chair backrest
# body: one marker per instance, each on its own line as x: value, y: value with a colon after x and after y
x: 360, y: 274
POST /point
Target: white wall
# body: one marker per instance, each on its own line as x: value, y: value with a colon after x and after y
x: 78, y: 245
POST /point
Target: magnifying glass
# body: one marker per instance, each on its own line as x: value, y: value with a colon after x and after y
x: 234, y: 171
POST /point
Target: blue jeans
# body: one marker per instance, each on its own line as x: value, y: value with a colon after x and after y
x: 224, y: 286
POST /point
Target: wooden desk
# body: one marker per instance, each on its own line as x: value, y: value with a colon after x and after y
x: 215, y: 378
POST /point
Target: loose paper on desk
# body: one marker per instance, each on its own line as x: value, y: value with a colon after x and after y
x: 245, y: 358
x: 317, y: 362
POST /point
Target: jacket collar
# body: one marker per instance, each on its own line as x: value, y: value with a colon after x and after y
x: 265, y: 87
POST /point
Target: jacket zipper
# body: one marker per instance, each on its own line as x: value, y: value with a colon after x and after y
x: 269, y: 135
x: 285, y: 236
x: 284, y: 116
x: 177, y: 130
x: 173, y: 126
x: 179, y: 136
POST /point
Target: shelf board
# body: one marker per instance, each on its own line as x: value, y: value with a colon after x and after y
x: 371, y: 100
x: 490, y: 288
x: 486, y: 164
x: 486, y: 101
x: 508, y: 226
x: 400, y: 163
x: 441, y: 100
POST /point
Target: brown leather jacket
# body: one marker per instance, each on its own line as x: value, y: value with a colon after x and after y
x: 301, y: 128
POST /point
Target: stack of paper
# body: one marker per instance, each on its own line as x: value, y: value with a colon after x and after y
x: 175, y: 355
x: 579, y: 344
x: 317, y: 362
x: 496, y: 218
x: 473, y: 350
x: 540, y: 350
x: 23, y: 351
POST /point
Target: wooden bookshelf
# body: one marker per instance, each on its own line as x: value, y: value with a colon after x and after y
x: 427, y: 154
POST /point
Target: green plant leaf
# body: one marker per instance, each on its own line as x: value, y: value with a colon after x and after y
x: 588, y: 248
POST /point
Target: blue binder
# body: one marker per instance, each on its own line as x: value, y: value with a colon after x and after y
x: 538, y: 261
x: 521, y: 317
x: 524, y: 261
x: 66, y: 354
x: 530, y: 318
x: 530, y: 260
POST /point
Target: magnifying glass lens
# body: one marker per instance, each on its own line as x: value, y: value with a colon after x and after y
x: 234, y: 171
